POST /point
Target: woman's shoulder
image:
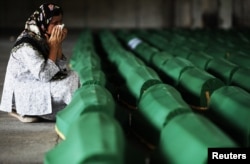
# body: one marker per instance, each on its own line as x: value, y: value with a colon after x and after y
x: 26, y: 44
x: 23, y: 47
x: 28, y: 41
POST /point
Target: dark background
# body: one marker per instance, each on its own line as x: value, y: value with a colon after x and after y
x: 135, y: 13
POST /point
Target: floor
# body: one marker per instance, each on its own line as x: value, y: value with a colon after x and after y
x: 24, y: 142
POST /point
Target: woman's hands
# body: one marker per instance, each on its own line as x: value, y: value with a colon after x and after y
x: 55, y: 40
x: 64, y: 33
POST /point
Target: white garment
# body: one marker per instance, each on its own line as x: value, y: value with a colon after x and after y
x: 28, y: 79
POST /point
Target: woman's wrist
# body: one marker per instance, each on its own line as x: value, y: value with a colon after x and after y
x: 59, y: 53
x: 53, y: 53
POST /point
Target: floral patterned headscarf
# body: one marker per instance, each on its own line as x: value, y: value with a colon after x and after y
x: 39, y: 21
x: 36, y: 27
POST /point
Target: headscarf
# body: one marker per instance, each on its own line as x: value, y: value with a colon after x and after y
x: 37, y: 25
x: 39, y: 21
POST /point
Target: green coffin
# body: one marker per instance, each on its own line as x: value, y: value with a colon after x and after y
x: 200, y: 60
x: 156, y: 40
x: 85, y: 60
x: 129, y: 62
x: 187, y: 137
x: 137, y: 77
x: 157, y: 104
x: 160, y: 58
x: 145, y: 51
x: 222, y: 69
x: 241, y: 78
x: 230, y: 109
x: 76, y: 56
x: 196, y: 87
x: 92, y: 75
x: 93, y: 138
x: 181, y: 52
x: 216, y: 52
x: 158, y: 101
x: 239, y: 59
x: 88, y: 98
x: 173, y: 69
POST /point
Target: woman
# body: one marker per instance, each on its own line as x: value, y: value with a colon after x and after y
x: 37, y: 81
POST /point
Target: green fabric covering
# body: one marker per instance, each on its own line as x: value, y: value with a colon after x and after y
x: 145, y: 51
x: 85, y: 39
x: 160, y: 42
x: 93, y: 138
x: 157, y: 104
x: 91, y: 74
x: 160, y: 58
x: 229, y: 108
x: 200, y: 60
x: 187, y: 137
x: 75, y: 58
x: 137, y: 76
x: 85, y: 59
x: 117, y: 55
x: 216, y: 51
x: 112, y: 47
x: 84, y: 47
x: 181, y: 52
x: 85, y: 99
x: 131, y: 68
x: 194, y: 45
x: 129, y: 62
x: 158, y: 101
x: 196, y: 86
x: 91, y: 59
x: 239, y: 59
x: 241, y: 79
x: 222, y: 69
x: 173, y: 69
x: 156, y: 40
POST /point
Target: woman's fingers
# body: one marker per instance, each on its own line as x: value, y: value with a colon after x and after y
x: 57, y: 34
x: 64, y: 33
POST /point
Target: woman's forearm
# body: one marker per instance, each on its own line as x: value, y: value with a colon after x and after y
x: 59, y: 53
x: 53, y: 53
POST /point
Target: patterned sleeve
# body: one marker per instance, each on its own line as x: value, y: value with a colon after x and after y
x: 40, y: 68
x: 62, y: 63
